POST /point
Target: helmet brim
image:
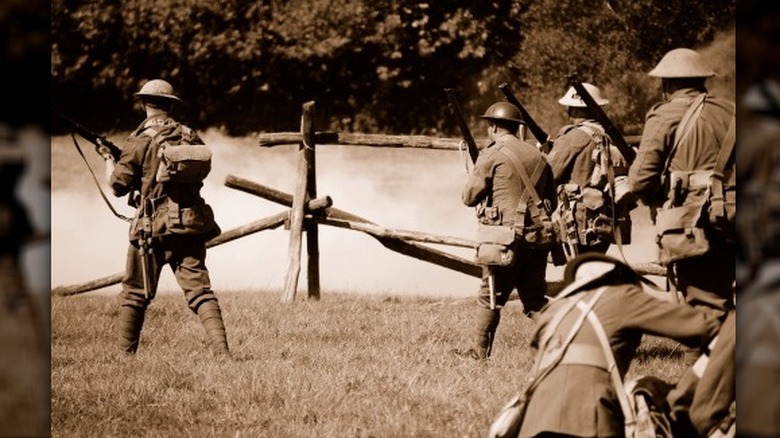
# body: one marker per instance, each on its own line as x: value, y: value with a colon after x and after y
x: 155, y: 95
x: 500, y: 118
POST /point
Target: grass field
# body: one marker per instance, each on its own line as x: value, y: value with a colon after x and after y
x: 346, y: 366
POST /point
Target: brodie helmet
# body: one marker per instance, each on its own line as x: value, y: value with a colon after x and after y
x: 681, y: 63
x: 157, y: 88
x: 503, y: 111
x: 572, y: 98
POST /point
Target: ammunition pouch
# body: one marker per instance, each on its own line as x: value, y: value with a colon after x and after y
x: 169, y: 218
x: 592, y: 216
x: 496, y: 245
x: 680, y: 234
x: 538, y: 231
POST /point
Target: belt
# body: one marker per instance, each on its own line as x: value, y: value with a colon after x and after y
x: 584, y: 354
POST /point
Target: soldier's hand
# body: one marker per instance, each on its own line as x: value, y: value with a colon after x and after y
x: 105, y: 152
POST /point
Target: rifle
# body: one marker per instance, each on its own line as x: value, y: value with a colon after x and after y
x: 473, y: 154
x: 145, y: 247
x: 471, y: 145
x: 98, y: 140
x: 597, y: 113
x: 568, y: 224
x: 529, y: 121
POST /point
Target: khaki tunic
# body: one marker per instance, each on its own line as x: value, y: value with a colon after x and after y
x: 698, y: 152
x: 580, y: 400
x: 495, y: 181
x: 571, y: 156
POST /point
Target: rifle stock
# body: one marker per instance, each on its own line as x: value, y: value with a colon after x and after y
x: 529, y: 121
x: 145, y: 250
x: 465, y: 132
x: 90, y: 136
x: 598, y: 113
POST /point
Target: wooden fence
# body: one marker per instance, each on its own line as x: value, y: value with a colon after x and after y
x: 306, y: 212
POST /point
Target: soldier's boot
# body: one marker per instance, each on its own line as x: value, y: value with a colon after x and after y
x: 485, y: 331
x: 131, y: 320
x: 211, y: 317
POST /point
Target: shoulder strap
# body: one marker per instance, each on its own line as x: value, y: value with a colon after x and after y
x: 617, y: 381
x: 536, y: 207
x: 725, y: 153
x: 687, y: 123
x: 543, y: 371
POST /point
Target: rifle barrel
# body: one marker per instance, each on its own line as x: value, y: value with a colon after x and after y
x: 529, y: 121
x: 462, y: 125
x: 598, y: 113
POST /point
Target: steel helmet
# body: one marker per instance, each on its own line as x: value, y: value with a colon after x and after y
x: 682, y: 63
x: 157, y: 88
x: 572, y: 98
x: 503, y: 111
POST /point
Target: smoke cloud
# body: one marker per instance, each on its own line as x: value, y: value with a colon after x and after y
x: 417, y: 190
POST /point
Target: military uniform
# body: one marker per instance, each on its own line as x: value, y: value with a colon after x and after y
x: 181, y: 225
x: 706, y: 280
x: 496, y: 186
x: 573, y: 158
x: 577, y: 398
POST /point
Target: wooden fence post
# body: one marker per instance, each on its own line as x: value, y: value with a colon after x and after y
x: 305, y: 154
x: 311, y: 226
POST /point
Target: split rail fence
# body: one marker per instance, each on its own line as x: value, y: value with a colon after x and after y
x: 307, y: 211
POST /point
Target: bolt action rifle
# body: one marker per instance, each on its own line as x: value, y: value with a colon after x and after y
x: 465, y: 132
x: 568, y: 225
x: 471, y: 145
x: 99, y: 141
x: 600, y: 116
x: 529, y: 121
x: 145, y: 249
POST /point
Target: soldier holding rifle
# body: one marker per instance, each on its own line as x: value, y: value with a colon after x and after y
x: 172, y: 223
x: 497, y: 188
x: 583, y: 161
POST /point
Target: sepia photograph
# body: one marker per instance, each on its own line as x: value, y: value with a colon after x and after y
x: 323, y: 218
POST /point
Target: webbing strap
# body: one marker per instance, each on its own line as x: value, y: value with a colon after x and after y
x: 725, y: 153
x: 94, y: 178
x: 617, y: 381
x: 536, y: 207
x: 555, y: 357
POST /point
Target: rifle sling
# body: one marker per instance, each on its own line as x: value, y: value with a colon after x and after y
x: 97, y: 183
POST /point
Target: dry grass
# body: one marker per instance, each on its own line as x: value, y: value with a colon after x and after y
x: 348, y: 365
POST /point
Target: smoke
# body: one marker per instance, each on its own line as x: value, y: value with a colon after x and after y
x: 408, y: 189
x: 403, y: 189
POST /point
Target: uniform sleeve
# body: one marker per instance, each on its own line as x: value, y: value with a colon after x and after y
x: 680, y: 322
x: 565, y: 151
x: 644, y: 175
x: 480, y: 180
x: 128, y: 171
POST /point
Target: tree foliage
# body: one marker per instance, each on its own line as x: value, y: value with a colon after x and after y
x: 370, y: 65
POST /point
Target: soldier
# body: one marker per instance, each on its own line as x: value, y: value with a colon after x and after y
x: 180, y: 224
x: 496, y: 186
x: 577, y: 397
x: 680, y: 146
x: 581, y: 165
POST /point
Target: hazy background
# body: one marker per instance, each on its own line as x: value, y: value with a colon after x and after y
x: 408, y: 189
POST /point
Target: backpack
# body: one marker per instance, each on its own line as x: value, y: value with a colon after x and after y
x: 588, y: 215
x: 184, y: 159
